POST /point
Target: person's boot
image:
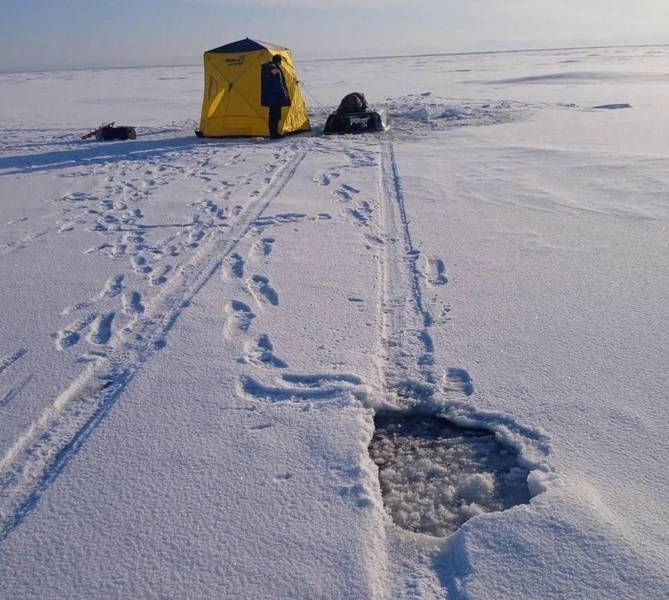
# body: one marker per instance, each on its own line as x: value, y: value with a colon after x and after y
x: 274, y: 133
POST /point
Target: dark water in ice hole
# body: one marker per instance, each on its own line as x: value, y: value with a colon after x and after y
x: 435, y: 475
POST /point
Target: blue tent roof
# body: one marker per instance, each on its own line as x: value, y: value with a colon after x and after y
x: 246, y: 45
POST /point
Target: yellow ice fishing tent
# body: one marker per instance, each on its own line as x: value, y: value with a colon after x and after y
x: 231, y: 105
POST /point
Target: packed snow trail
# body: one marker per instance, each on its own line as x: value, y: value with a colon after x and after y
x: 41, y: 453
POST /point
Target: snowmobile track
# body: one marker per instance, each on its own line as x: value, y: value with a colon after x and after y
x: 44, y: 450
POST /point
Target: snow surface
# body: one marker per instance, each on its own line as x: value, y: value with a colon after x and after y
x: 196, y: 334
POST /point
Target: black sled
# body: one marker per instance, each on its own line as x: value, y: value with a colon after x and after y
x: 110, y: 132
x: 122, y: 132
x: 370, y: 121
x: 354, y: 116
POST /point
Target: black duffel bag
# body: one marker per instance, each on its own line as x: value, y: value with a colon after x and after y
x: 110, y: 132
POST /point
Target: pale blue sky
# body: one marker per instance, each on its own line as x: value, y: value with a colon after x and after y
x: 79, y: 33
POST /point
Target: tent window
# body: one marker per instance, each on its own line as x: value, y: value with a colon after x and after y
x: 213, y: 87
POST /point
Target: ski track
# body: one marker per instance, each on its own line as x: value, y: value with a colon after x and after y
x: 44, y: 450
x: 407, y: 346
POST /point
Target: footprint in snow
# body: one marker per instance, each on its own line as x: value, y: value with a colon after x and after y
x: 325, y: 178
x: 115, y: 252
x: 132, y: 303
x: 362, y: 214
x: 262, y: 353
x: 457, y: 379
x: 136, y: 239
x: 160, y: 276
x: 262, y: 291
x: 101, y: 329
x: 318, y: 380
x: 70, y: 335
x: 279, y: 219
x: 322, y: 390
x: 239, y: 318
x: 233, y: 267
x: 140, y: 265
x: 194, y: 238
x: 113, y: 287
x: 262, y: 248
x: 346, y: 193
x: 435, y: 271
x: 304, y: 388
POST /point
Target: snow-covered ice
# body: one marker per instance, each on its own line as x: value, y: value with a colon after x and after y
x: 200, y: 339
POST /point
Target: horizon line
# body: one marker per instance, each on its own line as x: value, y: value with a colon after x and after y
x: 354, y: 58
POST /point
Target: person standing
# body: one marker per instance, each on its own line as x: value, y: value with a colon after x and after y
x: 273, y: 93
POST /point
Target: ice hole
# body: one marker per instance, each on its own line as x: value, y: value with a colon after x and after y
x: 436, y: 475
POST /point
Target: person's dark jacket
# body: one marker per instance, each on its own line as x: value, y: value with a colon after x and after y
x: 273, y: 90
